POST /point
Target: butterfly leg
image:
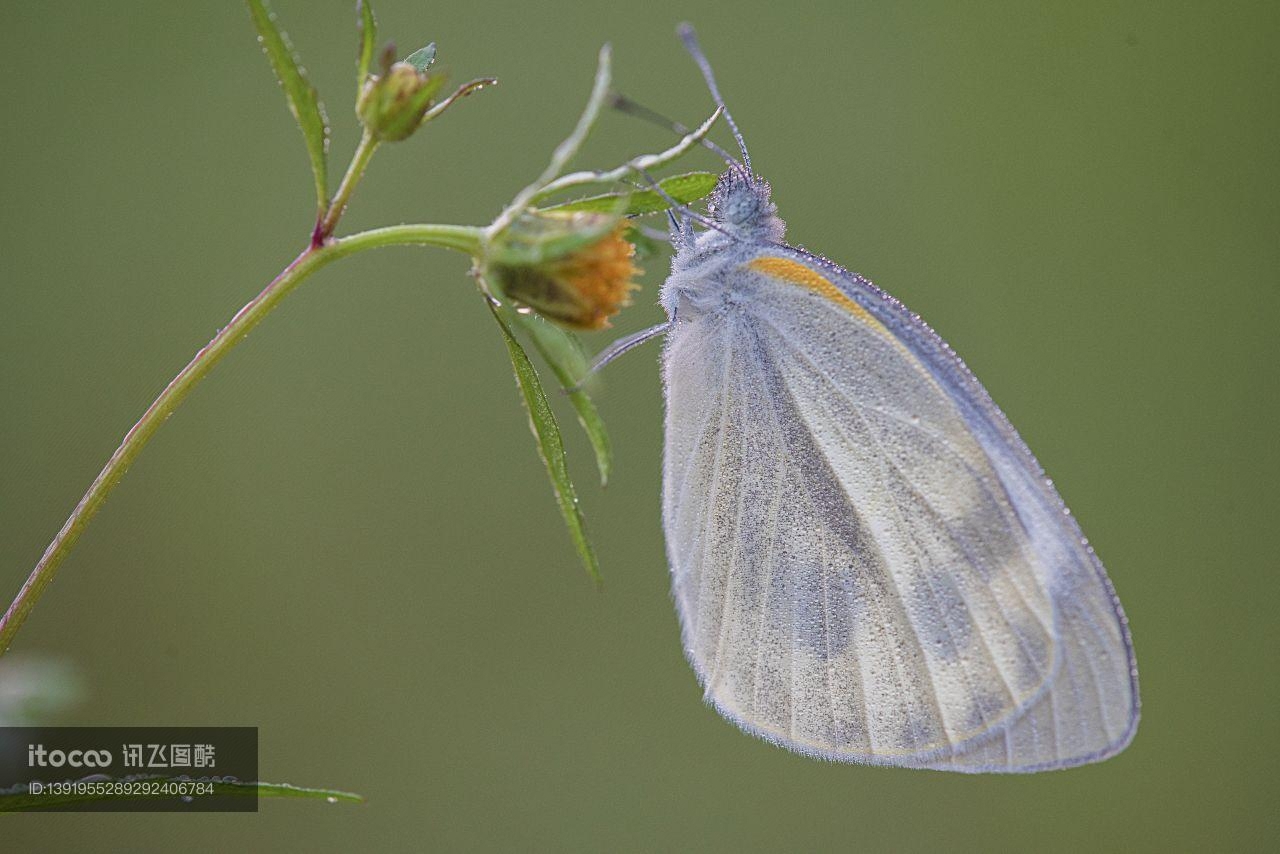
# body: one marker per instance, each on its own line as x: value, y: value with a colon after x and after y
x: 622, y: 345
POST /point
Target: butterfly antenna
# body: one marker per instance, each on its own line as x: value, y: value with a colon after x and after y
x: 690, y: 39
x: 623, y: 104
x: 684, y: 209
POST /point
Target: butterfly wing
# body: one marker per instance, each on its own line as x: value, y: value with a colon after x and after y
x: 868, y: 563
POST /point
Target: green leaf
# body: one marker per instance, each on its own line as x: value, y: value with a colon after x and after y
x: 18, y: 797
x: 550, y: 444
x: 562, y: 352
x: 422, y: 58
x: 368, y: 27
x: 304, y: 103
x: 686, y: 188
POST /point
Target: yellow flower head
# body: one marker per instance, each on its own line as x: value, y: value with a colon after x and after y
x: 579, y: 269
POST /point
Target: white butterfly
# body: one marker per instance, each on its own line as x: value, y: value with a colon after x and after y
x: 868, y: 563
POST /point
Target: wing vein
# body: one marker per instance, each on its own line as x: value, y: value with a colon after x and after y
x: 715, y: 485
x: 731, y: 571
x: 767, y: 589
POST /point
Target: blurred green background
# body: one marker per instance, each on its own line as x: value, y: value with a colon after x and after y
x: 345, y: 538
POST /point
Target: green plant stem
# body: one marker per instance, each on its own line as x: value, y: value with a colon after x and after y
x: 462, y: 238
x: 338, y: 204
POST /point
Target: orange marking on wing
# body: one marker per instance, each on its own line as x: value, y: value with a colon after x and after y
x: 798, y: 274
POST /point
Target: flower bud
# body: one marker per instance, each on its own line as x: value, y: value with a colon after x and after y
x: 574, y: 268
x: 391, y: 105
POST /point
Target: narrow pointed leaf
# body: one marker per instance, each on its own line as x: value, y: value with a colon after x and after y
x: 368, y: 26
x: 686, y: 188
x: 288, y: 790
x: 550, y: 444
x: 564, y: 355
x: 304, y: 103
x: 19, y: 797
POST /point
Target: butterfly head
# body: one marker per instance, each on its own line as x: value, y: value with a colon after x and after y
x: 740, y: 205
